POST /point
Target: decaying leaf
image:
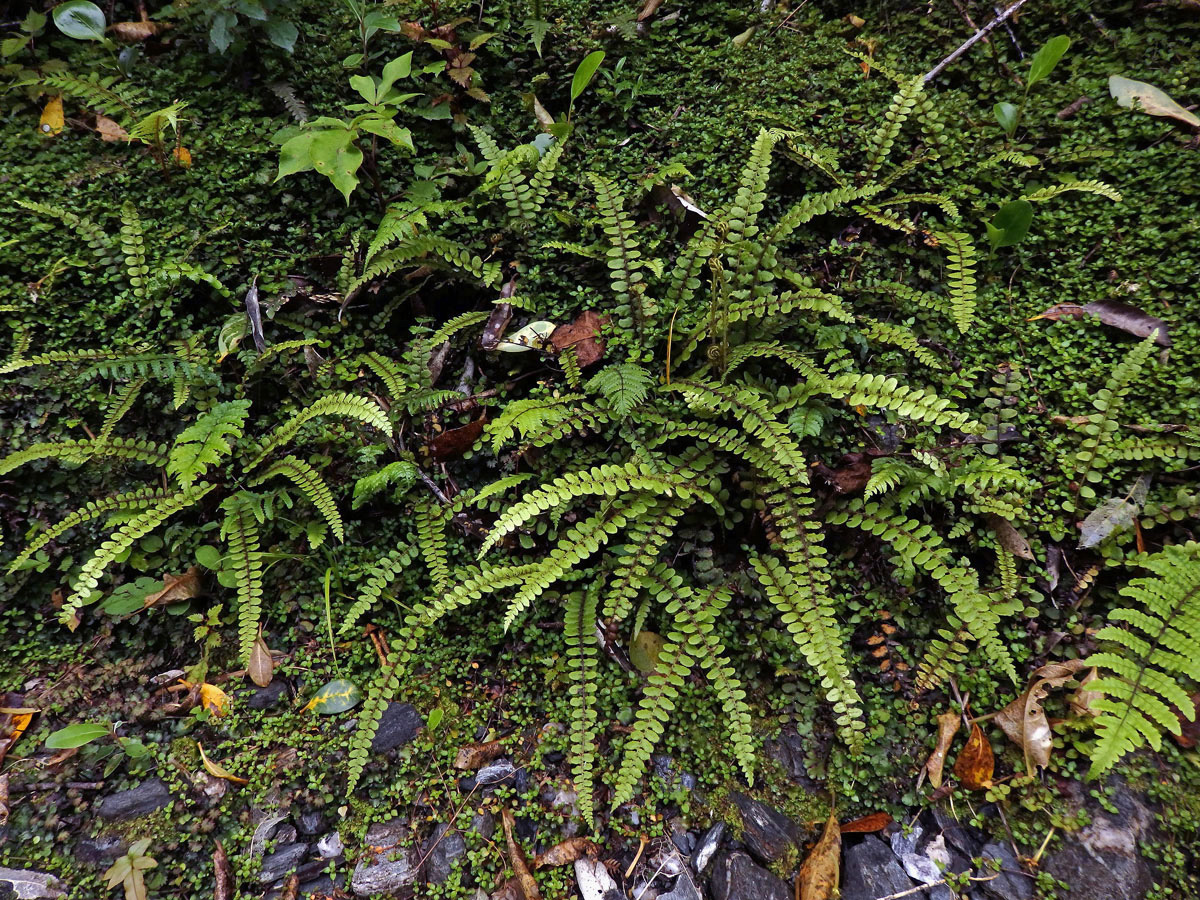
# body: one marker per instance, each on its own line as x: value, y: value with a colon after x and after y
x: 821, y: 871
x: 1128, y: 318
x: 496, y: 324
x: 176, y: 588
x: 534, y: 336
x: 216, y: 769
x: 947, y: 728
x: 183, y: 157
x: 1009, y: 538
x: 584, y: 335
x: 222, y: 874
x: 565, y: 852
x: 16, y: 727
x: 975, y: 763
x: 1114, y: 514
x: 212, y: 697
x: 110, y: 129
x: 1149, y: 99
x: 1081, y: 701
x: 135, y: 32
x: 52, y: 120
x: 260, y: 667
x: 644, y: 651
x: 1024, y: 720
x: 867, y: 824
x: 452, y: 443
x: 473, y: 756
x: 527, y: 886
x: 1189, y: 729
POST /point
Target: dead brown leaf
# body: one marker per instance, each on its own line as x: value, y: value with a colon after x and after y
x: 821, y: 871
x: 473, y: 756
x: 110, y: 130
x: 1189, y: 729
x: 526, y: 885
x: 176, y: 588
x: 649, y: 8
x: 566, y: 852
x: 867, y: 824
x: 947, y: 728
x: 291, y: 887
x: 454, y: 442
x: 1024, y: 720
x: 1009, y: 538
x: 1128, y: 318
x: 135, y: 32
x: 222, y: 874
x: 584, y: 335
x: 260, y: 667
x: 975, y: 763
x: 1081, y: 700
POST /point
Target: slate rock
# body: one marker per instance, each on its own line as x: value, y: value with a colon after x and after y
x: 269, y: 696
x: 497, y: 772
x: 766, y: 832
x: 442, y: 849
x: 310, y: 822
x: 321, y: 887
x: 684, y: 840
x: 789, y: 751
x: 149, y: 796
x: 594, y: 882
x: 1011, y: 883
x: 97, y: 851
x: 398, y: 725
x: 28, y: 884
x: 384, y: 873
x: 386, y: 834
x: 685, y: 888
x: 330, y: 846
x: 870, y: 870
x: 708, y: 847
x: 282, y: 862
x: 484, y: 825
x: 738, y: 877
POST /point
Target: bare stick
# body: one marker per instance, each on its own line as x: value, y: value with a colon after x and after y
x: 974, y: 39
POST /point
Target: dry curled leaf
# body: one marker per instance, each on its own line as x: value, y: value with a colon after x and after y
x: 473, y: 756
x: 526, y: 885
x: 135, y: 32
x: 110, y: 129
x: 947, y: 728
x: 975, y: 763
x: 52, y: 120
x: 176, y: 588
x: 584, y: 335
x: 222, y: 874
x: 821, y: 871
x: 1081, y: 701
x: 260, y: 667
x: 211, y: 697
x: 1024, y: 720
x: 1009, y: 538
x: 1114, y: 514
x: 867, y: 824
x: 1128, y: 318
x: 565, y: 852
x: 216, y: 769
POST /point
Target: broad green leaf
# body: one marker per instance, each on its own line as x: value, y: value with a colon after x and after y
x: 1149, y: 99
x: 434, y: 720
x: 232, y: 331
x: 335, y: 156
x: 1006, y: 115
x: 1047, y: 58
x: 337, y: 696
x: 77, y: 735
x: 365, y: 85
x: 80, y: 19
x: 585, y: 72
x: 281, y: 33
x: 252, y: 9
x: 296, y: 154
x: 387, y: 128
x: 209, y: 557
x: 1011, y: 224
x: 221, y: 30
x: 398, y: 68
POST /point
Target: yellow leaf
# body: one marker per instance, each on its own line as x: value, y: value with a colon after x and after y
x: 212, y: 697
x: 183, y: 156
x: 820, y: 873
x: 52, y: 117
x: 216, y: 769
x: 135, y: 32
x: 975, y: 763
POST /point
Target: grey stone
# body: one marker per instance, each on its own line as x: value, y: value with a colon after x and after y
x: 594, y: 882
x: 766, y: 832
x: 310, y: 822
x: 737, y: 877
x: 484, y: 825
x: 442, y: 849
x: 28, y: 884
x: 1011, y: 883
x: 284, y: 833
x: 685, y: 888
x: 386, y: 834
x: 380, y: 874
x: 398, y: 725
x: 282, y: 862
x: 870, y: 870
x: 709, y: 844
x: 789, y: 751
x: 924, y: 860
x: 496, y: 772
x: 268, y: 697
x: 149, y: 796
x: 330, y: 846
x: 323, y: 886
x: 684, y: 840
x: 95, y: 851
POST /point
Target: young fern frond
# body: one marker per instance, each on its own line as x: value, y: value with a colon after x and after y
x: 121, y: 405
x: 377, y: 580
x: 337, y: 403
x: 960, y: 276
x: 899, y: 336
x: 741, y: 218
x: 531, y: 416
x: 1089, y: 186
x: 1155, y: 648
x: 623, y: 386
x: 133, y: 245
x: 645, y: 539
x: 431, y: 538
x: 207, y: 441
x: 884, y: 392
x: 312, y: 486
x: 579, y: 634
x: 239, y: 529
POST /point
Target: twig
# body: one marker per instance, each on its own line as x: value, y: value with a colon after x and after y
x: 925, y: 887
x: 974, y: 39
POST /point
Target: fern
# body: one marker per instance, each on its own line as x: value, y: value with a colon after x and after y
x: 400, y: 474
x: 121, y: 406
x: 960, y: 276
x: 1089, y: 186
x: 239, y: 529
x: 207, y: 441
x: 579, y: 634
x: 884, y: 138
x: 134, y: 247
x: 80, y: 451
x: 624, y: 258
x: 337, y: 403
x: 1156, y: 645
x: 623, y: 386
x: 310, y: 483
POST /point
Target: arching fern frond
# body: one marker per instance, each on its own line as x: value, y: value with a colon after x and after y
x: 240, y: 531
x: 312, y: 485
x: 1089, y: 186
x: 337, y: 403
x: 207, y: 441
x: 579, y: 633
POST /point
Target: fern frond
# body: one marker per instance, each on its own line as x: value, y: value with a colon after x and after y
x: 624, y: 386
x: 624, y: 258
x: 377, y: 580
x: 80, y: 451
x: 741, y: 218
x: 960, y: 276
x: 817, y: 205
x: 431, y: 538
x: 312, y: 485
x: 530, y: 416
x: 336, y: 403
x: 902, y: 337
x: 579, y: 633
x: 239, y: 529
x: 884, y: 392
x: 884, y: 138
x: 133, y: 245
x: 207, y: 441
x: 645, y: 539
x: 123, y: 403
x: 1089, y: 186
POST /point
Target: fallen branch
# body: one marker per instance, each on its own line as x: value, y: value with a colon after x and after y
x: 974, y: 39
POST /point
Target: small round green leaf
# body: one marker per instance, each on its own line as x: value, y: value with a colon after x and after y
x: 76, y: 735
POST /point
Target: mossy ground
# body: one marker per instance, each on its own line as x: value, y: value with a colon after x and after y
x: 679, y: 94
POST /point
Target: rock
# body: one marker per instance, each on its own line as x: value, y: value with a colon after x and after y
x: 789, y: 751
x: 310, y: 822
x: 494, y: 773
x: 923, y: 860
x: 330, y: 846
x: 322, y: 887
x: 268, y: 697
x: 594, y: 881
x: 282, y: 862
x: 484, y: 825
x: 684, y: 840
x: 709, y: 844
x: 1101, y: 861
x: 99, y: 851
x: 870, y: 870
x: 398, y: 725
x: 1011, y: 883
x: 149, y: 796
x: 737, y: 877
x: 379, y: 874
x: 442, y: 849
x: 284, y: 834
x: 685, y: 888
x: 766, y: 832
x: 386, y: 834
x: 28, y: 884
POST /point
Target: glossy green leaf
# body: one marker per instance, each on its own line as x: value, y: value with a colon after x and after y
x: 434, y: 720
x: 1047, y: 58
x: 77, y: 735
x: 337, y: 696
x: 281, y: 33
x: 1011, y: 224
x: 400, y: 67
x: 1007, y: 115
x: 585, y: 73
x: 80, y: 19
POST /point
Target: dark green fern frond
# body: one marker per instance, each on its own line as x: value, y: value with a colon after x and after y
x: 80, y: 451
x: 376, y: 582
x: 312, y: 485
x: 624, y: 386
x: 431, y: 538
x: 1088, y: 186
x: 960, y: 276
x: 337, y: 403
x: 579, y: 633
x: 624, y: 256
x: 126, y: 397
x: 240, y: 531
x: 897, y: 113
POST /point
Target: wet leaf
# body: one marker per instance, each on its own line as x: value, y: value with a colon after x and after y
x: 52, y: 117
x: 1024, y: 720
x: 1082, y: 700
x: 452, y: 443
x: 16, y: 728
x: 534, y: 336
x: 80, y: 19
x: 1149, y: 99
x: 216, y: 769
x: 212, y: 698
x: 473, y: 756
x: 260, y: 666
x: 867, y: 824
x: 526, y: 884
x: 975, y: 763
x: 584, y: 335
x: 1010, y: 225
x: 176, y: 588
x: 1009, y: 538
x: 109, y: 129
x: 585, y: 72
x: 565, y: 853
x: 497, y: 323
x: 77, y: 735
x: 337, y: 696
x: 820, y: 873
x: 1128, y: 318
x: 644, y: 651
x: 1114, y: 514
x: 948, y: 723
